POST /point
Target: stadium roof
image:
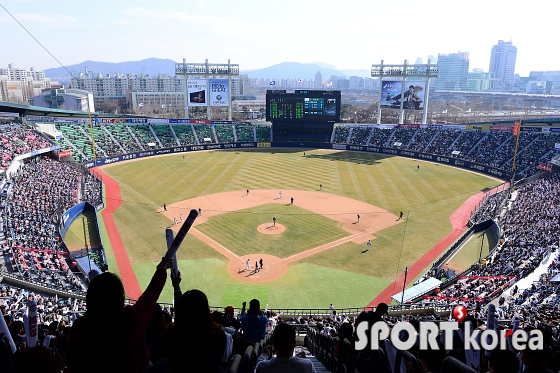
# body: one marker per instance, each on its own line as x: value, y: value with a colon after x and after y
x: 21, y: 109
x: 418, y: 290
x: 525, y: 122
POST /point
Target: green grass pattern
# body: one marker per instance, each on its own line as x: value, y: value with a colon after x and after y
x: 304, y: 230
x: 428, y: 197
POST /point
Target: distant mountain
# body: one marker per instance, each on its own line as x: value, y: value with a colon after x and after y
x: 296, y: 70
x: 152, y: 66
x: 324, y: 65
x: 293, y: 70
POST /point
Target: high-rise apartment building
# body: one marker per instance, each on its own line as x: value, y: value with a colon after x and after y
x: 453, y: 71
x: 21, y: 84
x: 502, y: 63
x: 318, y: 84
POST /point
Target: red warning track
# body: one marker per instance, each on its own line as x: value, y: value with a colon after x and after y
x: 458, y: 222
x: 112, y: 203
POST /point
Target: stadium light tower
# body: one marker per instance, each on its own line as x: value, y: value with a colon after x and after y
x: 200, y: 74
x: 391, y: 97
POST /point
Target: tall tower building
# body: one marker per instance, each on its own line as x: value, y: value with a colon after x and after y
x: 502, y: 63
x: 318, y: 84
x: 453, y: 71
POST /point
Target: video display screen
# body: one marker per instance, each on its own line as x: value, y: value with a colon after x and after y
x: 303, y: 106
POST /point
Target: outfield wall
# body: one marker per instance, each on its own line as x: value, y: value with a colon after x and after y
x: 472, y: 166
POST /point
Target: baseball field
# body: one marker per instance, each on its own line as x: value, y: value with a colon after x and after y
x: 317, y: 251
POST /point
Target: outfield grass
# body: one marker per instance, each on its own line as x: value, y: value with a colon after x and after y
x: 303, y: 286
x: 304, y: 230
x: 427, y: 197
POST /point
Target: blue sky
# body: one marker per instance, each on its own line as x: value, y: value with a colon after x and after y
x: 348, y: 34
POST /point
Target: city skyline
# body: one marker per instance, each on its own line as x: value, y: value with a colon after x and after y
x: 255, y: 36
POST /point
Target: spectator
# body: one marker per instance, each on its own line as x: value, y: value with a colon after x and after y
x: 503, y: 361
x: 254, y: 322
x: 195, y: 343
x: 284, y: 341
x: 110, y: 333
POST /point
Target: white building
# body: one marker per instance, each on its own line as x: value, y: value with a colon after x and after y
x: 18, y: 85
x: 65, y: 99
x: 240, y: 85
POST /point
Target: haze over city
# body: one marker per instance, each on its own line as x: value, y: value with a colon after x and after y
x: 255, y: 34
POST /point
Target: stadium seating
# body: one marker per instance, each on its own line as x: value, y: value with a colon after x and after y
x: 144, y: 135
x: 224, y: 133
x: 341, y: 135
x: 402, y: 136
x: 245, y: 133
x: 204, y: 132
x: 380, y: 136
x: 185, y: 134
x: 124, y: 137
x: 263, y: 133
x: 360, y: 135
x: 442, y: 141
x: 42, y: 190
x: 15, y: 140
x: 165, y: 136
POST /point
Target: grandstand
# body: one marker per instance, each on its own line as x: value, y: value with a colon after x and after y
x: 42, y: 188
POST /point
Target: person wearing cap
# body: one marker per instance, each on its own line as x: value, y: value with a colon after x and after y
x: 254, y: 322
x: 229, y: 318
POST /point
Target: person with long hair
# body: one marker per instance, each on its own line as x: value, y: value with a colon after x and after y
x: 195, y: 343
x: 110, y: 337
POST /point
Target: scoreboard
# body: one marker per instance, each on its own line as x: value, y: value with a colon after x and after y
x: 303, y: 106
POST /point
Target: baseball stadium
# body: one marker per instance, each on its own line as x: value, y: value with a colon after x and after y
x: 302, y: 218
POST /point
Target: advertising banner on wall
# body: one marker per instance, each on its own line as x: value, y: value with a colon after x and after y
x: 413, y: 95
x: 197, y: 92
x: 219, y: 92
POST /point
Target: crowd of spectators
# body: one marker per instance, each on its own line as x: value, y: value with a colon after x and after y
x: 16, y: 139
x: 474, y: 288
x: 466, y: 143
x: 442, y: 142
x: 494, y: 148
x: 92, y: 190
x: 41, y: 190
x: 423, y: 139
x: 491, y: 207
x: 403, y: 136
x: 105, y: 143
x: 341, y: 135
x: 204, y: 132
x: 380, y: 136
x: 531, y: 230
x: 360, y: 135
x: 165, y: 135
x: 184, y: 133
x: 224, y: 133
x: 263, y: 133
x: 244, y: 133
x: 123, y: 136
x: 143, y: 134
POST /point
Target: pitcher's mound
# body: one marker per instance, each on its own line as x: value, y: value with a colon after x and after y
x: 269, y: 228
